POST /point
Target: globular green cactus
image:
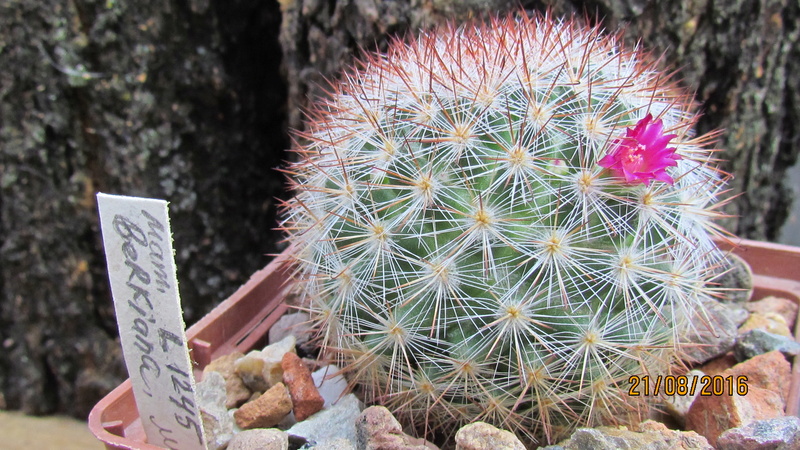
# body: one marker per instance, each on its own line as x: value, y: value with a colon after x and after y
x: 504, y: 222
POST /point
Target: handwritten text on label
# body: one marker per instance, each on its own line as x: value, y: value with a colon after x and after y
x: 138, y: 244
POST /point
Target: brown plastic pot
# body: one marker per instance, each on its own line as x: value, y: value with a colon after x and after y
x: 242, y: 321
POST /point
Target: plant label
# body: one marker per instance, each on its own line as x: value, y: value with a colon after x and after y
x: 141, y: 267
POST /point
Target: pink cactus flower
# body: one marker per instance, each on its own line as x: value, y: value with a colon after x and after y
x: 642, y: 154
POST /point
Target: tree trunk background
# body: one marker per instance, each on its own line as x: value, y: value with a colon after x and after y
x: 180, y: 100
x: 190, y: 100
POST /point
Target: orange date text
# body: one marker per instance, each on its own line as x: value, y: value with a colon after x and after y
x: 705, y: 386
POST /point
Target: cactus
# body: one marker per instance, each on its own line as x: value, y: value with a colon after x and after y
x: 504, y: 222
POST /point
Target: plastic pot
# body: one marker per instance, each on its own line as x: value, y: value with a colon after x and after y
x: 243, y: 320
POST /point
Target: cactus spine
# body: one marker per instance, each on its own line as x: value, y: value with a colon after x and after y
x: 475, y: 241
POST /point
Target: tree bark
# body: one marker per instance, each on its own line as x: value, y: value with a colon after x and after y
x: 185, y: 100
x: 180, y: 100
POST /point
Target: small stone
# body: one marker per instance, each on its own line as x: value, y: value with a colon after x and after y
x: 736, y: 279
x: 652, y: 435
x: 769, y: 371
x: 305, y: 396
x: 266, y: 411
x: 338, y: 421
x: 237, y: 392
x: 756, y: 342
x: 254, y: 396
x: 678, y: 405
x: 236, y: 427
x: 211, y: 398
x: 211, y: 390
x: 336, y: 444
x: 262, y: 368
x: 377, y: 429
x: 688, y: 440
x: 481, y: 435
x: 781, y: 433
x: 737, y: 314
x: 783, y: 306
x: 287, y: 422
x: 260, y: 439
x: 249, y: 369
x: 713, y: 415
x: 331, y: 384
x: 768, y: 321
x: 719, y: 365
x: 223, y: 364
x: 295, y: 324
x: 713, y: 335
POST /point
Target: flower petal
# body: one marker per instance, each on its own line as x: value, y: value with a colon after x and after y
x: 642, y: 154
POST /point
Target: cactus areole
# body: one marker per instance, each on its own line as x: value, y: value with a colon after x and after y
x: 505, y: 222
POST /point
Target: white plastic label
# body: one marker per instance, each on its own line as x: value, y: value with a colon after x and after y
x: 141, y: 267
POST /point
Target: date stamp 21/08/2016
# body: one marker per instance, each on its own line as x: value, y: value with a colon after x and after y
x: 708, y: 385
